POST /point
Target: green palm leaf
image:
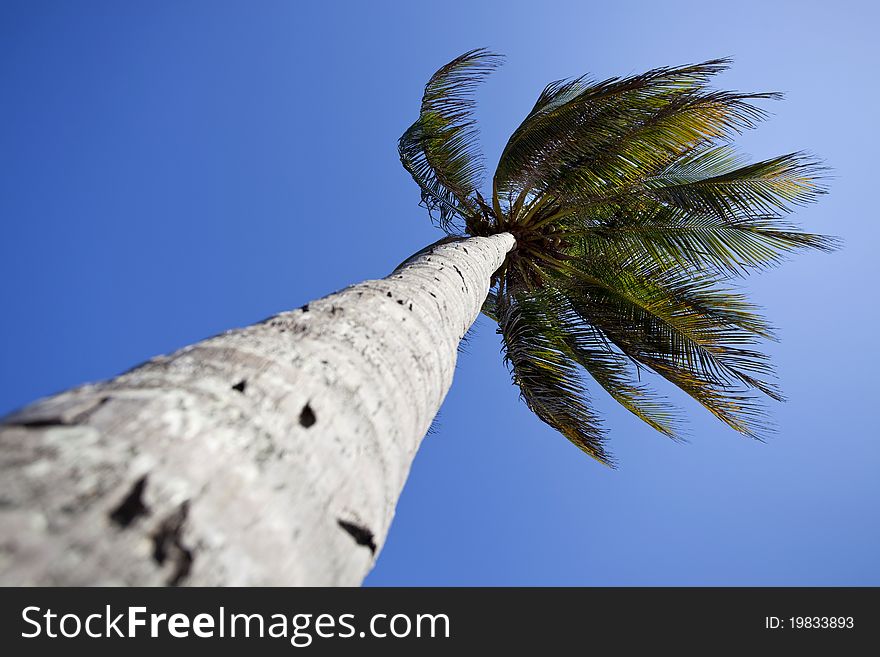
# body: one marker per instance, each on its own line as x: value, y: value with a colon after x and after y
x: 440, y: 149
x: 672, y: 237
x: 586, y: 134
x: 632, y: 214
x: 686, y: 329
x: 548, y: 378
x: 607, y: 366
x: 716, y: 181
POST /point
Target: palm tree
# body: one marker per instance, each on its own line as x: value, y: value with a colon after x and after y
x: 618, y: 221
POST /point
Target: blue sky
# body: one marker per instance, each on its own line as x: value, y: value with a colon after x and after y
x: 172, y: 169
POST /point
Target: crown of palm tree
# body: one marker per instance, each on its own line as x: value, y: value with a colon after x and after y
x: 633, y: 217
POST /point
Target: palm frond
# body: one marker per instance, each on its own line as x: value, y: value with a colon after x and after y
x: 440, y: 149
x: 632, y: 214
x: 663, y: 136
x: 607, y: 366
x: 717, y: 181
x: 689, y: 331
x: 587, y: 133
x: 548, y: 378
x: 675, y: 237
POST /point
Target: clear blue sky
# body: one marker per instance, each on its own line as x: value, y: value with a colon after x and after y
x: 172, y: 169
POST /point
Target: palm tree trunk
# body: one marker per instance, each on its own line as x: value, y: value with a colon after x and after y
x: 269, y: 455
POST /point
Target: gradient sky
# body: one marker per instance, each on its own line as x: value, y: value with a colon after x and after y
x: 169, y: 170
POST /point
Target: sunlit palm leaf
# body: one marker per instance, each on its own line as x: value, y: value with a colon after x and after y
x: 596, y: 134
x: 670, y: 236
x: 716, y: 181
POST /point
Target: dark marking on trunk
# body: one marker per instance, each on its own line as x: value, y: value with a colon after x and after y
x: 410, y: 306
x: 307, y: 416
x: 305, y: 308
x: 132, y: 506
x: 432, y: 294
x: 240, y: 386
x: 388, y: 294
x: 465, y: 249
x: 360, y: 534
x: 36, y: 417
x: 168, y: 546
x: 458, y: 271
x: 38, y: 423
x: 400, y: 301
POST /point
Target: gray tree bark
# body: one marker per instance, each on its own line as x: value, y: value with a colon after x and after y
x: 268, y: 455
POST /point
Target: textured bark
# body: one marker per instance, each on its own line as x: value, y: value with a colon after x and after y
x: 269, y: 455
